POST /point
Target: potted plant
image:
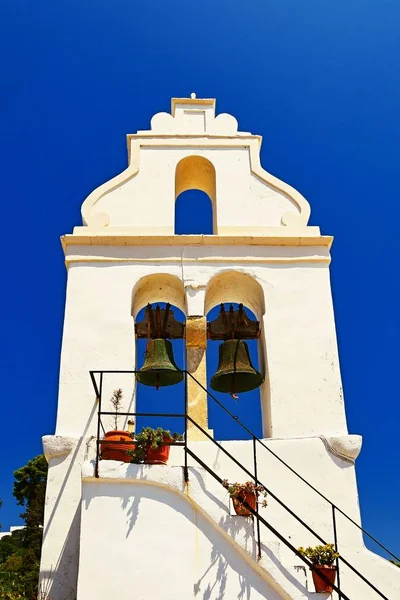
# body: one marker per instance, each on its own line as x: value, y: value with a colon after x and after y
x: 152, y: 446
x: 322, y: 558
x: 245, y: 492
x: 116, y: 443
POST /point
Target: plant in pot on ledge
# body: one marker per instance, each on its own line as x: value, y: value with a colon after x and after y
x: 116, y: 443
x: 152, y: 446
x: 245, y: 492
x: 322, y: 558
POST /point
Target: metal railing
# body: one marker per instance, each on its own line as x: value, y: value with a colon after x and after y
x: 254, y: 476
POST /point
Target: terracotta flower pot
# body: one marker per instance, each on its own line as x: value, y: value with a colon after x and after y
x: 248, y: 497
x: 160, y: 455
x: 330, y: 573
x: 115, y: 444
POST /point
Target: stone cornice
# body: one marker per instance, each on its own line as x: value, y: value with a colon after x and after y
x: 84, y: 236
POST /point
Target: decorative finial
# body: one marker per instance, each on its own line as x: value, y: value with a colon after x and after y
x: 193, y: 96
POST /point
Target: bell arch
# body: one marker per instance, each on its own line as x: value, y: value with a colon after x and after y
x: 237, y: 288
x: 196, y: 173
x: 161, y: 292
x: 158, y: 287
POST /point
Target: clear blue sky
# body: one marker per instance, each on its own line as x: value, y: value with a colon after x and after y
x: 318, y: 79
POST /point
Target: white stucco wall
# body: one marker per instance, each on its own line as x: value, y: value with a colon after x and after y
x: 199, y: 548
x: 112, y: 533
x: 143, y: 196
x: 304, y: 384
x: 150, y: 542
x: 117, y: 498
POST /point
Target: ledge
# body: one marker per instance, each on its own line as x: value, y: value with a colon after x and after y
x: 84, y: 236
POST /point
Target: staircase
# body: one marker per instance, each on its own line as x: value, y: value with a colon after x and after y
x: 270, y: 538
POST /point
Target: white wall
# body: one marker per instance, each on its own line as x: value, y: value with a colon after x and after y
x: 145, y: 541
x: 143, y: 196
x: 72, y: 539
x: 156, y: 182
x: 184, y: 541
x: 303, y: 366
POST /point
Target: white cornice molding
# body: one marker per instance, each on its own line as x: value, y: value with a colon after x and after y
x: 55, y: 446
x: 85, y: 236
x: 346, y: 447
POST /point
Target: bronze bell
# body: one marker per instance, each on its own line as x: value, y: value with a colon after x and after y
x: 159, y: 367
x: 235, y: 372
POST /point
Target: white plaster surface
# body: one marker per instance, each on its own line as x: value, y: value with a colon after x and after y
x: 303, y: 385
x: 71, y: 538
x: 186, y: 555
x: 247, y: 202
x: 212, y: 552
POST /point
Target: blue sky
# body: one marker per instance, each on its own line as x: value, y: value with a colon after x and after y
x: 318, y: 79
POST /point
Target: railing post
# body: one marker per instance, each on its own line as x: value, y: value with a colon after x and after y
x: 185, y: 469
x: 336, y: 550
x: 96, y: 470
x: 256, y: 482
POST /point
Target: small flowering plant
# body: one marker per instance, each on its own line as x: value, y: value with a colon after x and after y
x: 320, y: 555
x: 240, y: 491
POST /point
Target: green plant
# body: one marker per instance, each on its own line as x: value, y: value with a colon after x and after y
x: 116, y: 403
x: 239, y: 491
x: 151, y: 438
x: 320, y: 555
x: 20, y: 551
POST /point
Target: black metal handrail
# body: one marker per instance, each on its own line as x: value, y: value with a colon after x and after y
x: 259, y: 518
x: 333, y: 505
x: 254, y: 437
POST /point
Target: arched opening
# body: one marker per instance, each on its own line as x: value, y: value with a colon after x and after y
x: 193, y: 213
x: 253, y: 408
x: 169, y: 399
x: 195, y: 195
x: 160, y: 289
x: 246, y: 405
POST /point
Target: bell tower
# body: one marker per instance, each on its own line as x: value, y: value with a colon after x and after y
x: 110, y: 525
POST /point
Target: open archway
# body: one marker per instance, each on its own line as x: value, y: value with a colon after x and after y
x: 228, y: 288
x: 246, y: 405
x: 170, y: 399
x: 160, y: 290
x: 195, y: 195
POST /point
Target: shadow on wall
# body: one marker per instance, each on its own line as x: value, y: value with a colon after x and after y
x: 219, y: 565
x: 61, y: 580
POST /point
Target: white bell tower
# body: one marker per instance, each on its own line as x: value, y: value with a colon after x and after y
x: 143, y: 530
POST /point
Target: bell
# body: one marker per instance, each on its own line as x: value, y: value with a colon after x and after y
x: 235, y: 372
x: 159, y: 367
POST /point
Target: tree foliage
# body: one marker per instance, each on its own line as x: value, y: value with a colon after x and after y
x: 20, y: 551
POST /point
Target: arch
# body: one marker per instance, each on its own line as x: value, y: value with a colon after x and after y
x: 170, y: 398
x: 159, y: 287
x: 197, y: 173
x: 193, y: 213
x: 235, y: 286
